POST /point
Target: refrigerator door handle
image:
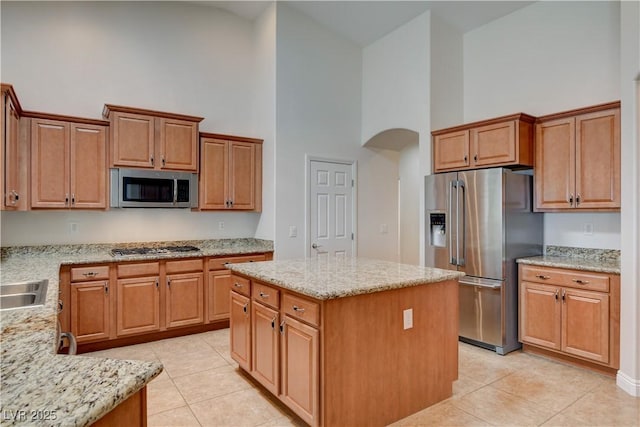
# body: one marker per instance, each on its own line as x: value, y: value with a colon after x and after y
x: 461, y: 189
x: 452, y: 260
x: 481, y: 283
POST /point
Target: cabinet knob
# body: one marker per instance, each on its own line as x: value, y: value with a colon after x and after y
x: 475, y: 158
x: 73, y: 199
x: 106, y: 288
x: 465, y: 157
x: 237, y: 285
x: 163, y: 162
x: 273, y: 322
x: 556, y: 295
x: 263, y: 295
x: 245, y: 307
x: 151, y: 160
x: 169, y: 283
x: 577, y: 199
x: 298, y: 309
x: 66, y: 199
x: 571, y: 199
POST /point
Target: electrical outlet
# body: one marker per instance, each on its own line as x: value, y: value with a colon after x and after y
x: 384, y: 228
x: 407, y: 318
x: 588, y: 229
x: 293, y: 231
x: 73, y: 228
x: 221, y: 225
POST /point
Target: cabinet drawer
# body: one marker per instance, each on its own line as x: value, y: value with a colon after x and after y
x: 219, y: 263
x: 139, y: 269
x: 302, y: 309
x: 184, y: 266
x: 265, y: 294
x: 82, y: 274
x: 241, y: 285
x: 569, y: 278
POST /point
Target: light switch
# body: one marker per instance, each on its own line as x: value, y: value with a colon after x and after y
x: 407, y: 318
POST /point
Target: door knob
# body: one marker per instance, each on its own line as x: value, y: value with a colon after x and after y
x: 315, y: 245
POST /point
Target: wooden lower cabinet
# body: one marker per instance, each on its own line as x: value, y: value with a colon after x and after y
x: 138, y: 308
x: 300, y: 369
x: 132, y: 412
x: 122, y: 303
x: 265, y: 360
x: 240, y: 330
x: 573, y: 313
x: 90, y: 311
x: 185, y: 301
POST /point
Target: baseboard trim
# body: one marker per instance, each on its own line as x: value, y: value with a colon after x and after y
x: 628, y: 384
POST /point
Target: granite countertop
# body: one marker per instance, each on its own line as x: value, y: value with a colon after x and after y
x: 585, y: 259
x: 42, y: 387
x: 341, y: 277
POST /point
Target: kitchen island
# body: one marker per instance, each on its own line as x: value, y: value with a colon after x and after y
x: 347, y: 341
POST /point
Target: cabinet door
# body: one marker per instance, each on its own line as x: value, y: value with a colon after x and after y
x: 88, y: 166
x: 218, y: 289
x: 554, y: 171
x: 242, y: 175
x: 451, y: 151
x: 300, y: 373
x: 185, y: 299
x: 265, y: 359
x: 240, y: 330
x: 90, y: 311
x: 214, y: 174
x: 50, y: 167
x: 540, y: 315
x: 133, y: 140
x: 178, y: 145
x: 598, y: 160
x: 585, y: 324
x: 494, y: 144
x: 11, y: 165
x: 138, y: 308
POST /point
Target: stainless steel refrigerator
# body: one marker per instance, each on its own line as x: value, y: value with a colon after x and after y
x: 479, y: 222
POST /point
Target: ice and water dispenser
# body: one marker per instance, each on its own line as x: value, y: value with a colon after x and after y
x: 437, y: 229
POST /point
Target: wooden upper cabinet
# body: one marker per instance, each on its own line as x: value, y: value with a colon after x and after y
x: 68, y: 163
x: 13, y: 153
x: 503, y: 141
x: 230, y: 173
x: 88, y: 166
x: 132, y: 140
x: 577, y: 162
x: 50, y: 164
x: 152, y: 139
x: 451, y: 151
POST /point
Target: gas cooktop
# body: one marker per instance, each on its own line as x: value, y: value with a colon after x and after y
x: 147, y: 250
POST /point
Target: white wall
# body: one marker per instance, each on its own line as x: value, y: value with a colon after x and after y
x: 410, y: 180
x: 546, y: 58
x: 395, y: 95
x: 629, y: 374
x: 318, y: 101
x: 265, y: 114
x: 73, y: 57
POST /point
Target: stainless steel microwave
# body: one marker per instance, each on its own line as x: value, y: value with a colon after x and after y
x: 140, y: 188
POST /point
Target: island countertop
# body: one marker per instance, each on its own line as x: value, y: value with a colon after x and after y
x: 331, y: 278
x: 42, y: 387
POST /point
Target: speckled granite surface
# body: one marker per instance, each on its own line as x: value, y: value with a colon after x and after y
x: 585, y: 259
x: 341, y: 277
x: 76, y: 390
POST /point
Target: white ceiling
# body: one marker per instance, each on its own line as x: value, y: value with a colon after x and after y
x: 364, y: 22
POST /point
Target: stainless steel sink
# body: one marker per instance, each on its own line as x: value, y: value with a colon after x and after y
x: 23, y: 294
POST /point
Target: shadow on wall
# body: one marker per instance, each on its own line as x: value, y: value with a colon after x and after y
x: 405, y: 142
x: 393, y: 139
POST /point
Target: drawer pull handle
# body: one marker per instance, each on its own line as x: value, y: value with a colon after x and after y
x: 540, y: 276
x: 273, y: 322
x: 263, y: 295
x: 298, y: 309
x: 580, y: 281
x: 237, y: 285
x: 90, y: 274
x: 245, y: 307
x: 556, y: 295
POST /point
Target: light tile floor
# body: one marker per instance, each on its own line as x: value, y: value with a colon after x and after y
x: 202, y: 386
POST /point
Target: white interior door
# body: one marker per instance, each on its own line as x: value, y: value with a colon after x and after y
x: 331, y: 188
